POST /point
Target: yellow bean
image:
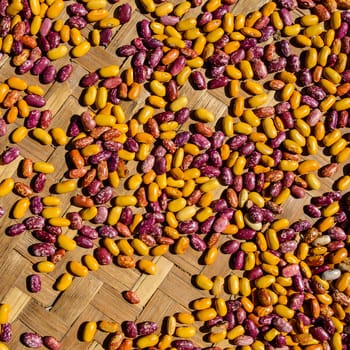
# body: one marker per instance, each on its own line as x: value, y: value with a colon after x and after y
x: 43, y: 167
x: 147, y: 340
x: 42, y: 136
x: 89, y: 331
x: 81, y: 49
x: 147, y: 266
x: 77, y: 269
x: 185, y: 332
x: 206, y: 314
x: 4, y: 313
x: 60, y: 222
x: 66, y: 186
x: 20, y: 208
x: 64, y: 281
x: 57, y: 53
x: 6, y: 186
x: 52, y: 212
x: 45, y: 266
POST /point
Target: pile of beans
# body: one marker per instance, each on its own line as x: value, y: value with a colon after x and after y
x: 196, y: 182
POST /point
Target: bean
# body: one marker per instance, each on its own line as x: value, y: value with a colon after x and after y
x: 32, y: 340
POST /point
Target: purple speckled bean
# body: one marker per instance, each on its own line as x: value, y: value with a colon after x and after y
x: 104, y: 195
x: 6, y: 332
x: 183, y: 344
x: 246, y: 234
x: 237, y: 56
x: 52, y: 343
x: 103, y: 155
x: 182, y: 115
x: 211, y: 171
x: 199, y: 160
x: 90, y: 232
x: 217, y: 83
x: 267, y: 32
x: 218, y: 139
x: 238, y: 260
x: 101, y: 216
x: 230, y: 247
x: 35, y: 100
x: 42, y: 249
x: 249, y: 180
x: 301, y: 225
x: 33, y: 119
x: 204, y: 18
x: 282, y: 325
x: 277, y: 65
x: 220, y: 224
x: 84, y: 242
x: 130, y: 329
x: 255, y: 273
x: 188, y: 227
x: 34, y: 222
x: 259, y: 68
x: 39, y: 182
x: 296, y: 301
x: 305, y: 77
x: 106, y: 35
x: 169, y: 20
x: 144, y: 29
x: 207, y: 225
x: 310, y: 101
x: 126, y: 216
x: 34, y: 283
x: 241, y: 315
x: 250, y: 327
x: 313, y: 211
x: 64, y: 73
x: 3, y: 127
x: 215, y: 72
x: 103, y: 256
x: 76, y: 222
x: 77, y: 22
x: 286, y: 17
x: 155, y: 57
x: 160, y: 165
x: 48, y: 76
x: 77, y: 9
x: 36, y: 205
x: 123, y: 13
x: 290, y: 270
x: 247, y: 149
x: 226, y: 176
x: 198, y: 243
x: 319, y: 333
x: 15, y: 229
x: 288, y: 247
x: 107, y: 231
x: 237, y: 141
x: 10, y: 155
x: 25, y: 67
x: 32, y: 340
x: 146, y: 328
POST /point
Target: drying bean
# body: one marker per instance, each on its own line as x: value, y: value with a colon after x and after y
x: 6, y: 332
x: 34, y: 283
x: 52, y: 343
x: 130, y: 329
x: 32, y: 340
x: 10, y: 155
x: 103, y: 256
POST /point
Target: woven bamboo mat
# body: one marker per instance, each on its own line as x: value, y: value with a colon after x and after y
x: 98, y: 296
